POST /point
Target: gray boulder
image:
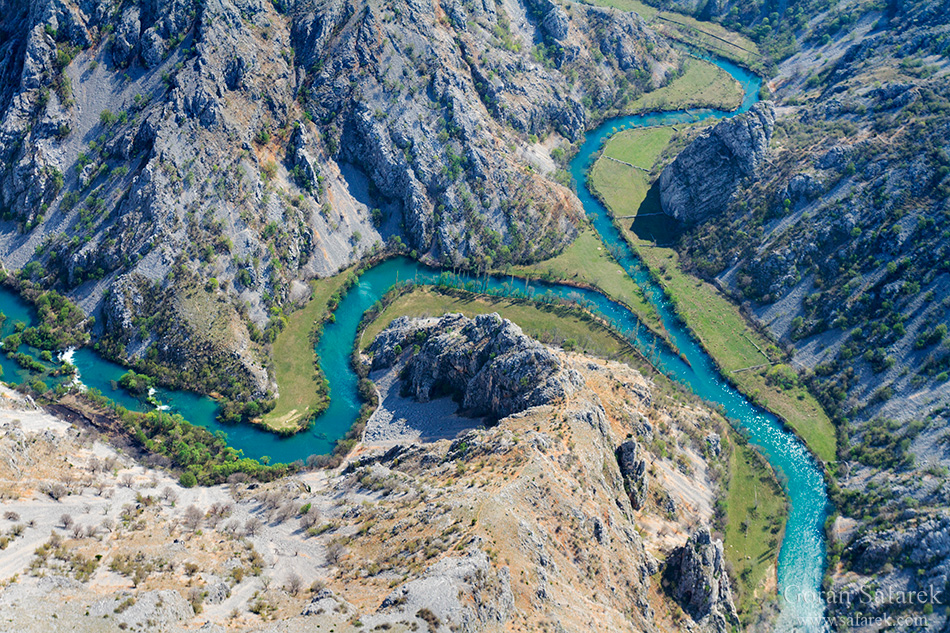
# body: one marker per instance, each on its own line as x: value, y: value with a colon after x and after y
x: 702, y: 179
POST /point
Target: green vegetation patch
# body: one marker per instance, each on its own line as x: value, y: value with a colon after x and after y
x: 300, y: 382
x: 203, y: 457
x: 755, y: 516
x: 624, y: 186
x: 639, y: 146
x: 702, y: 85
x: 587, y: 262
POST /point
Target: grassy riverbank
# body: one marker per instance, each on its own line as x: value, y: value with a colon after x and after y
x: 548, y: 324
x: 587, y: 262
x: 702, y: 85
x: 726, y: 334
x: 294, y: 361
x: 756, y: 511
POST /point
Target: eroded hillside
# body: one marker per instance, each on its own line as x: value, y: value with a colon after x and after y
x: 187, y: 164
x: 557, y: 518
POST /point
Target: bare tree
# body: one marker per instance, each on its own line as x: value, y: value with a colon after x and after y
x: 217, y: 512
x: 235, y: 481
x: 56, y: 490
x: 309, y: 519
x: 169, y: 494
x: 77, y: 530
x: 66, y: 520
x: 10, y: 515
x: 127, y: 480
x: 294, y: 583
x: 335, y: 552
x: 193, y: 516
x: 285, y: 511
x: 95, y: 465
x: 252, y: 526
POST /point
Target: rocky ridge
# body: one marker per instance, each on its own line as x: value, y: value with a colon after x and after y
x: 477, y: 533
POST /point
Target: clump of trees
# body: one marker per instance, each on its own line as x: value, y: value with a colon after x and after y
x: 204, y: 457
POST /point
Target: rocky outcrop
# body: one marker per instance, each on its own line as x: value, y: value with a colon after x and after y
x: 156, y: 610
x: 633, y: 469
x: 455, y: 594
x: 702, y: 179
x: 921, y: 542
x: 487, y: 363
x: 695, y: 575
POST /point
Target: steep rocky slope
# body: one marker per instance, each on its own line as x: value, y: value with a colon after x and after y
x: 704, y: 176
x: 523, y: 526
x: 193, y: 157
x: 839, y: 247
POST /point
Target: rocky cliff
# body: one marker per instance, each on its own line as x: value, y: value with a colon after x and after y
x: 702, y: 179
x: 487, y: 363
x: 633, y: 469
x: 245, y: 145
x: 695, y: 575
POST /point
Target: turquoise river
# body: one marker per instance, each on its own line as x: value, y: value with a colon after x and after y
x: 802, y: 556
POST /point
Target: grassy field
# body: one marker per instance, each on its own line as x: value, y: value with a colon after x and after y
x: 639, y: 147
x: 756, y: 512
x: 721, y: 328
x: 293, y: 361
x: 624, y: 186
x: 702, y: 85
x: 548, y: 326
x: 646, y: 11
x: 586, y: 261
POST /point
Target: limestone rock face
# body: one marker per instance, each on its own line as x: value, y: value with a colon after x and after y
x: 633, y: 468
x: 695, y: 575
x: 702, y: 179
x: 487, y: 362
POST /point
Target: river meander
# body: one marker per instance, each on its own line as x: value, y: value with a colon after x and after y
x: 802, y: 556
